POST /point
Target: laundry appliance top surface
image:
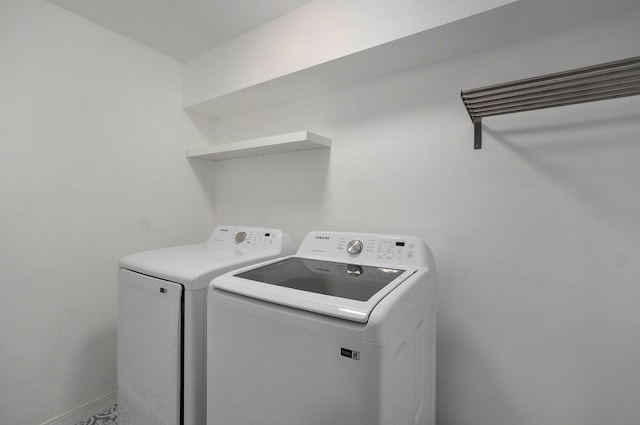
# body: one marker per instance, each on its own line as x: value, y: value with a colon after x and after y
x: 350, y: 281
x: 194, y: 266
x: 343, y: 275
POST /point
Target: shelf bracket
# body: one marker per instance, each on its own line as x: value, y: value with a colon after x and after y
x: 477, y: 134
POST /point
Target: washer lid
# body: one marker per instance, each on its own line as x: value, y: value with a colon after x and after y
x: 347, y: 291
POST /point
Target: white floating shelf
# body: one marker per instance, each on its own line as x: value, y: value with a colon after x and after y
x: 298, y: 141
x: 475, y: 33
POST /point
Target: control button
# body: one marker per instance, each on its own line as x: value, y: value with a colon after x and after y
x: 240, y: 236
x: 354, y: 247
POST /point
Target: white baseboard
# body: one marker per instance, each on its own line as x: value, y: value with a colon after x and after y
x: 74, y: 416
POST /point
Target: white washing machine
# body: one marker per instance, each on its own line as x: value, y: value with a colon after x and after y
x: 162, y: 322
x: 341, y: 333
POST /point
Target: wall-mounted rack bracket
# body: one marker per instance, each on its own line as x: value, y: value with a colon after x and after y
x: 599, y: 82
x: 477, y: 134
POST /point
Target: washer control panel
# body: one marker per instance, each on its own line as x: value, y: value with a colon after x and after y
x: 364, y: 248
x: 247, y: 238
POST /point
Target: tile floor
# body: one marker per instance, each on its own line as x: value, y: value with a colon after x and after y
x: 108, y: 416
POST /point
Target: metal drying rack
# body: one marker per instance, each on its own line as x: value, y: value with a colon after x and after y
x: 599, y: 82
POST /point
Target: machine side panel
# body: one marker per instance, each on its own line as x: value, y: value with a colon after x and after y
x: 429, y: 359
x: 149, y: 350
x: 407, y: 389
x: 195, y: 345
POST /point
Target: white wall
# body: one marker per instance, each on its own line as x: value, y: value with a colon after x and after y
x: 536, y: 236
x: 92, y: 167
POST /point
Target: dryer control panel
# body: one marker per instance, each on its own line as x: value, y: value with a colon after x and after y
x: 244, y: 238
x: 366, y: 248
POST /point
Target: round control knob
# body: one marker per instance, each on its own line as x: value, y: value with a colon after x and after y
x: 354, y: 247
x: 240, y: 236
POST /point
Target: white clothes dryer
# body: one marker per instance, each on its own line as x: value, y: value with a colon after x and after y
x: 162, y: 322
x: 341, y: 333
